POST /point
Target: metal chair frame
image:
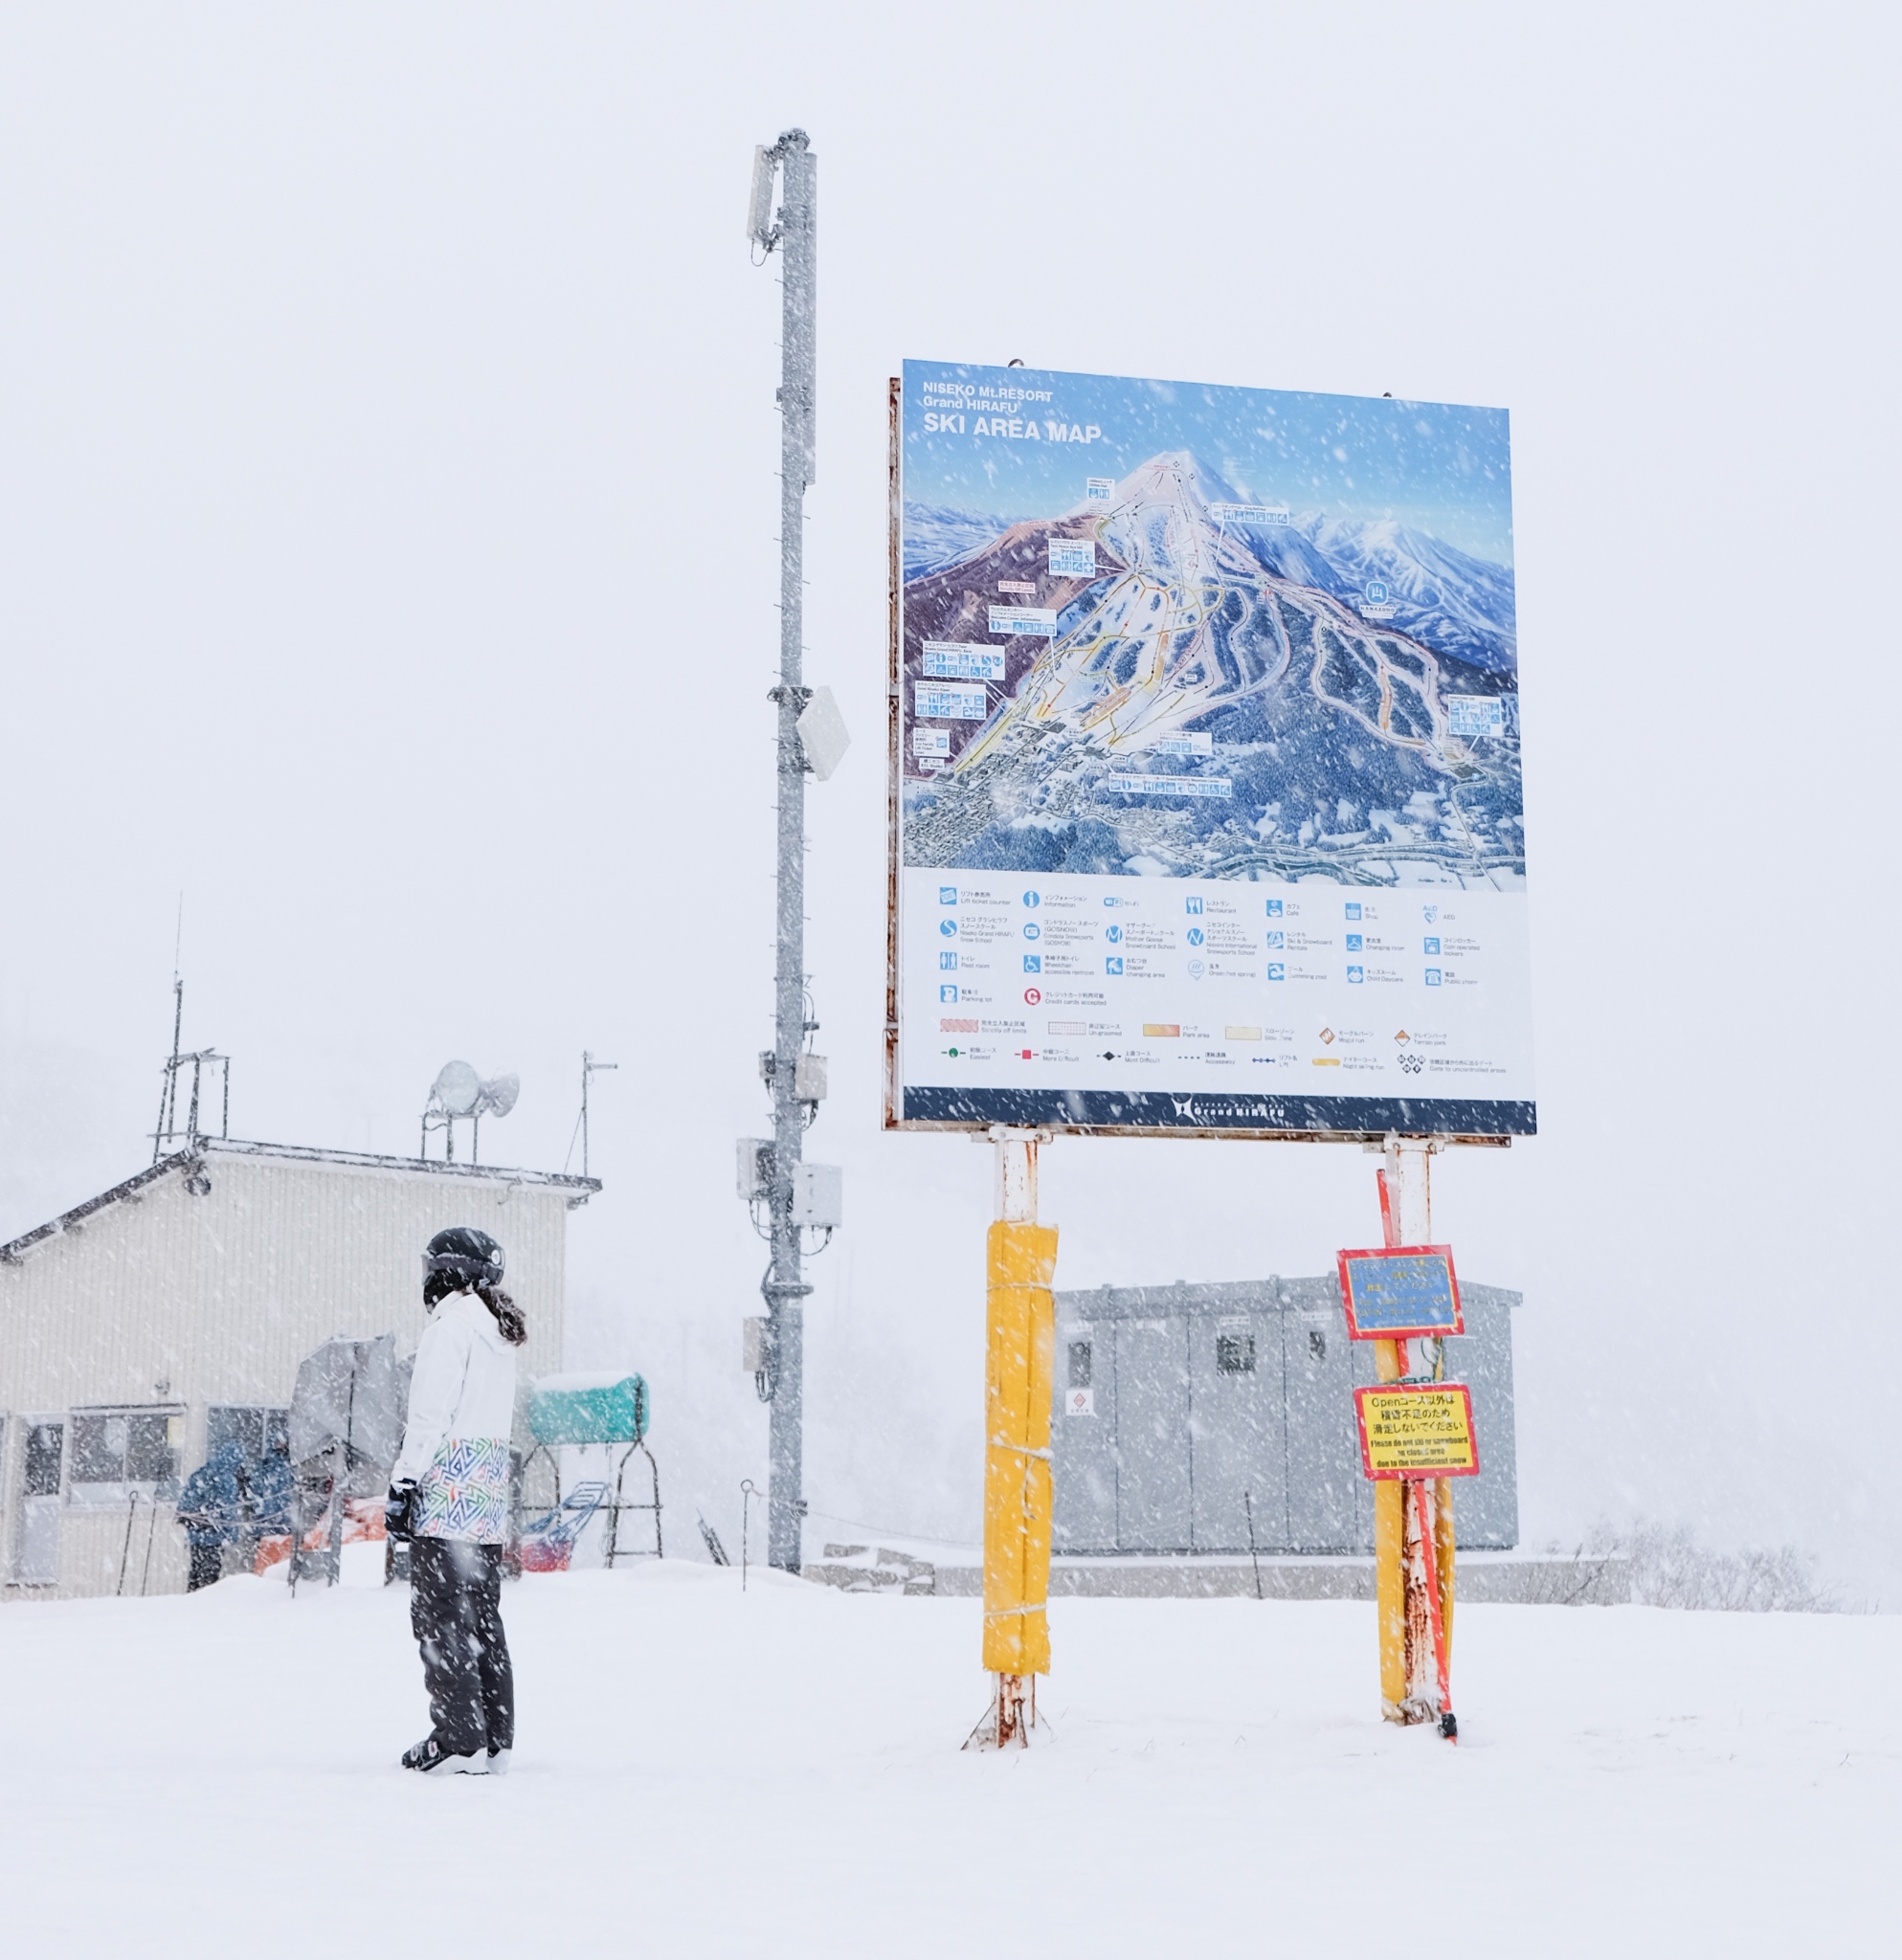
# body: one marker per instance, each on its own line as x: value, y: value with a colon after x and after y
x: 615, y: 1509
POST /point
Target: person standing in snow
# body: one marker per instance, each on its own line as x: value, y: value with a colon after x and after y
x: 209, y: 1507
x: 449, y: 1496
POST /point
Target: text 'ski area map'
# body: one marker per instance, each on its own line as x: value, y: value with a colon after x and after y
x: 1209, y: 797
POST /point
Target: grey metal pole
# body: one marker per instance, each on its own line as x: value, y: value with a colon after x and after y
x: 784, y: 1288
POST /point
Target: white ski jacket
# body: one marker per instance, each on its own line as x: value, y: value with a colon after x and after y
x: 461, y: 1412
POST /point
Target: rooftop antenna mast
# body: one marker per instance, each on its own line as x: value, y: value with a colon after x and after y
x: 590, y: 1067
x: 169, y: 1087
x: 167, y: 1131
x: 794, y: 236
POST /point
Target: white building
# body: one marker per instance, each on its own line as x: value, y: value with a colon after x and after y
x: 171, y: 1312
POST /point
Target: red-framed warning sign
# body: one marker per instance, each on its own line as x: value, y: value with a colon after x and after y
x: 1417, y: 1430
x: 1400, y: 1292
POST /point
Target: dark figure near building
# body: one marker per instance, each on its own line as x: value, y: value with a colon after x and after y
x: 211, y: 1507
x: 229, y: 1500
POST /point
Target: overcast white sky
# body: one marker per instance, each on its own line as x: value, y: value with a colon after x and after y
x: 386, y: 562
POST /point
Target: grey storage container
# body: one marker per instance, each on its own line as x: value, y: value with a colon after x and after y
x: 1181, y: 1408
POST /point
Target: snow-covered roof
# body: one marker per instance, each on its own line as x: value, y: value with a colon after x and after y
x: 579, y: 1188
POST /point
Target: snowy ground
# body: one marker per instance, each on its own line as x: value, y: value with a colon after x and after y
x: 701, y: 1773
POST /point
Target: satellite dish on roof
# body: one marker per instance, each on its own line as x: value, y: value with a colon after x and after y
x: 497, y: 1097
x: 457, y: 1089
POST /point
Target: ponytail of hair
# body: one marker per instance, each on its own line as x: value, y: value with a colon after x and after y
x: 509, y: 1316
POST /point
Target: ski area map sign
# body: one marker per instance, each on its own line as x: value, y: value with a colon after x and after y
x: 1398, y: 1293
x: 1206, y: 801
x: 1417, y: 1432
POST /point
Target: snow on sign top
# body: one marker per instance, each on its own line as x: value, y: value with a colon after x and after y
x: 1215, y: 689
x: 1400, y: 1292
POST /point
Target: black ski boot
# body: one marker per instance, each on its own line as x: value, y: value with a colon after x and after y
x: 432, y: 1758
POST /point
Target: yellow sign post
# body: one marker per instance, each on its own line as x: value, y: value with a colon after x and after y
x: 1413, y: 1534
x: 1021, y: 1340
x: 1413, y: 1436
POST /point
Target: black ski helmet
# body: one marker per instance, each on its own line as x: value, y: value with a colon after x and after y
x: 465, y: 1256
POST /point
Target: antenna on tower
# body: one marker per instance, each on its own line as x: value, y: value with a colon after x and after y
x: 168, y: 1129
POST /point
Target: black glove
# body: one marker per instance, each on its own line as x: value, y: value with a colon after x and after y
x: 399, y: 1511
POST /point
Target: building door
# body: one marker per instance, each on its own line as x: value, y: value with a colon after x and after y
x: 1486, y: 1508
x: 1153, y: 1497
x: 1325, y: 1504
x: 36, y: 1548
x: 1235, y: 1422
x: 1083, y: 1439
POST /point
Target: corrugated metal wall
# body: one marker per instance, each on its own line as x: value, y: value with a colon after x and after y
x: 1178, y: 1455
x: 169, y: 1297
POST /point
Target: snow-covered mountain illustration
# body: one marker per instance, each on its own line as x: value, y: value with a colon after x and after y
x: 935, y: 535
x: 1223, y: 686
x: 1454, y: 603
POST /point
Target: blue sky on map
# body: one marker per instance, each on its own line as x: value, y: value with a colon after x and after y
x: 1438, y: 466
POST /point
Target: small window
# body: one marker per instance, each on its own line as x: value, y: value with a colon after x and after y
x: 46, y: 1443
x: 37, y: 1532
x: 1317, y: 1344
x: 119, y: 1454
x: 1079, y: 1364
x: 1234, y: 1353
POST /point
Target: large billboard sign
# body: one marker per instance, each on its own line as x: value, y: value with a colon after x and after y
x: 1206, y: 806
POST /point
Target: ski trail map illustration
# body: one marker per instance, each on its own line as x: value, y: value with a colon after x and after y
x: 1207, y: 794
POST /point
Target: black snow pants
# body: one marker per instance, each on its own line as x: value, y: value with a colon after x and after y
x: 456, y: 1615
